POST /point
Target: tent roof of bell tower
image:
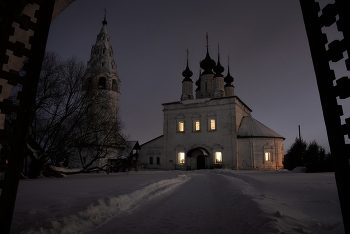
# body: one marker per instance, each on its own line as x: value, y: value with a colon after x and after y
x: 101, y: 58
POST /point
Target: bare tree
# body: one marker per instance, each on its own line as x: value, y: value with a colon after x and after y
x: 67, y: 126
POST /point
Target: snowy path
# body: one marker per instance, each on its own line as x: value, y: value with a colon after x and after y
x: 205, y: 201
x: 204, y: 204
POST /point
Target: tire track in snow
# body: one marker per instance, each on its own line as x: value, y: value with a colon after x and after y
x: 107, y: 208
x: 207, y: 203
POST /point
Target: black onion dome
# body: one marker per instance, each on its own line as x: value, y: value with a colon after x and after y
x: 207, y: 64
x: 187, y: 73
x: 228, y: 79
x: 218, y: 69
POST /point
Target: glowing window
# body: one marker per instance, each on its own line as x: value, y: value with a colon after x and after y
x: 218, y: 157
x: 181, y: 156
x: 267, y: 156
x: 212, y: 125
x: 181, y: 126
x: 197, y: 125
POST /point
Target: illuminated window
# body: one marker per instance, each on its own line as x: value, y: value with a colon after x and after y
x: 197, y: 125
x: 218, y: 157
x: 181, y: 126
x: 212, y: 125
x: 267, y: 156
x: 181, y: 156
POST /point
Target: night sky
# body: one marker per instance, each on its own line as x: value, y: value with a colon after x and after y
x: 265, y: 40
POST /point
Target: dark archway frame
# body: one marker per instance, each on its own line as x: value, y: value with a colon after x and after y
x: 204, y: 151
x: 321, y: 57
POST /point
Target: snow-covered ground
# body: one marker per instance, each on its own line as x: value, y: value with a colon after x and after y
x: 205, y: 201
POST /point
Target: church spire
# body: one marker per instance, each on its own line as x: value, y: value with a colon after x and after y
x: 104, y: 22
x: 229, y: 88
x: 187, y: 83
x: 228, y: 79
x: 187, y: 73
x: 218, y: 69
x: 101, y: 58
x: 218, y: 79
x: 101, y: 71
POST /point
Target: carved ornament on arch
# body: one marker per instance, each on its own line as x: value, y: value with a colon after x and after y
x: 217, y: 146
x: 211, y: 114
x: 180, y: 116
x: 206, y: 147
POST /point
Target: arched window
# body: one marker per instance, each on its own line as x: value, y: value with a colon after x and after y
x: 158, y: 160
x: 102, y: 83
x: 114, y: 85
x: 150, y: 160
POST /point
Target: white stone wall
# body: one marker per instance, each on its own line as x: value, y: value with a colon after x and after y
x: 152, y: 149
x: 228, y: 112
x: 251, y: 153
x: 187, y: 90
x: 222, y: 139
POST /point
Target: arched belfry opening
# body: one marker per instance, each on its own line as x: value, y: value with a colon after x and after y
x: 102, y: 83
x: 198, y: 158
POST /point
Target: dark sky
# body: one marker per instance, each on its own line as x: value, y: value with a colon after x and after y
x: 265, y: 39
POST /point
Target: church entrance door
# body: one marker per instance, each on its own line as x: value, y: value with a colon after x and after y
x: 200, y: 162
x: 198, y: 159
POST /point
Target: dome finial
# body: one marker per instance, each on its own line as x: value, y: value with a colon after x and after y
x: 218, y: 69
x: 206, y: 35
x: 228, y: 61
x: 104, y: 19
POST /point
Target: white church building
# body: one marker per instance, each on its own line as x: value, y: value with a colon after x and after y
x: 213, y: 130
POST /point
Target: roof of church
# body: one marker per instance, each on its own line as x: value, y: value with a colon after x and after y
x: 101, y: 58
x: 251, y: 128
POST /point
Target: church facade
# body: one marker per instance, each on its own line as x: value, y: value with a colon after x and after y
x: 213, y: 130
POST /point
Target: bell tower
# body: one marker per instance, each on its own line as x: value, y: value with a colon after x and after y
x: 101, y: 72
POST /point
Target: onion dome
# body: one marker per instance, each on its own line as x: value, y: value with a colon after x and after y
x: 187, y: 73
x: 218, y: 69
x: 228, y: 79
x: 198, y: 82
x: 207, y: 64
